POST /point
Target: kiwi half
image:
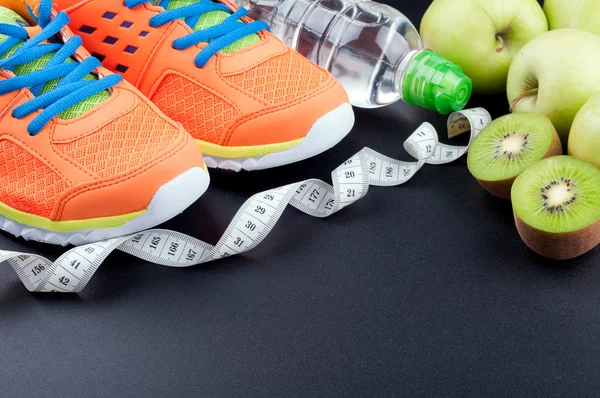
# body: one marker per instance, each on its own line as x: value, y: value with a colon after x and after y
x: 556, y: 204
x: 507, y: 146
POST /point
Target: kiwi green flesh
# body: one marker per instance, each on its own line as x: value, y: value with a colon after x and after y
x: 557, y: 195
x: 508, y: 145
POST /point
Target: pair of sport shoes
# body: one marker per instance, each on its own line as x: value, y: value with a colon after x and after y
x: 86, y: 155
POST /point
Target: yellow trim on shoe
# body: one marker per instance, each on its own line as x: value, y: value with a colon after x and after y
x: 237, y: 152
x: 32, y: 220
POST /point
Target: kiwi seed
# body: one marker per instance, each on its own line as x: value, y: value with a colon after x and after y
x: 558, y: 195
x: 511, y: 145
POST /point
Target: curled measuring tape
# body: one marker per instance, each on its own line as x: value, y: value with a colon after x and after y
x: 252, y: 223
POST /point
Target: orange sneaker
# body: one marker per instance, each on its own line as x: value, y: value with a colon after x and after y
x: 250, y: 101
x: 83, y: 155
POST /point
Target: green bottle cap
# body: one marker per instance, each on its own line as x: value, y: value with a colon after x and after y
x: 433, y: 82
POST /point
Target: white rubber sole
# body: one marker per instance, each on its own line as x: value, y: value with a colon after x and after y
x: 170, y: 200
x: 328, y: 131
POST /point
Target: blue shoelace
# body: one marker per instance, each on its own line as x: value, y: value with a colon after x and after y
x: 70, y: 91
x: 218, y: 36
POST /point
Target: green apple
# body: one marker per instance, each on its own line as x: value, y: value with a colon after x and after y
x: 555, y: 74
x: 576, y: 14
x: 482, y: 36
x: 584, y: 139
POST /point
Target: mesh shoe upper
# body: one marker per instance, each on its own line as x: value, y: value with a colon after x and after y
x: 205, y: 113
x: 123, y: 144
x: 280, y: 79
x: 27, y: 183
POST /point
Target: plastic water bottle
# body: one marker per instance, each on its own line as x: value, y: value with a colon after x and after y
x: 371, y: 48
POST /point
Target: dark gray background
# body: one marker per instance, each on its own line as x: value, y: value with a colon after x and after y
x: 419, y: 290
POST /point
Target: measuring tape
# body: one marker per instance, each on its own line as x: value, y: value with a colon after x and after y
x: 71, y: 272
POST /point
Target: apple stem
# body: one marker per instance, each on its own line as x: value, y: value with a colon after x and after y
x: 500, y: 42
x: 526, y: 94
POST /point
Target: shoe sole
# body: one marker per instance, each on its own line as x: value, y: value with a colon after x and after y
x: 325, y: 133
x: 169, y: 200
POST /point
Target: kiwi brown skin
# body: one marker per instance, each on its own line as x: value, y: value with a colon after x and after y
x: 502, y: 188
x: 559, y: 246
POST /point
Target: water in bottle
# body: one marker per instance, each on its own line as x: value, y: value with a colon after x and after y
x: 371, y: 48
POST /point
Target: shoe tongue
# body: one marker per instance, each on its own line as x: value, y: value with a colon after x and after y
x: 210, y: 19
x: 9, y: 17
